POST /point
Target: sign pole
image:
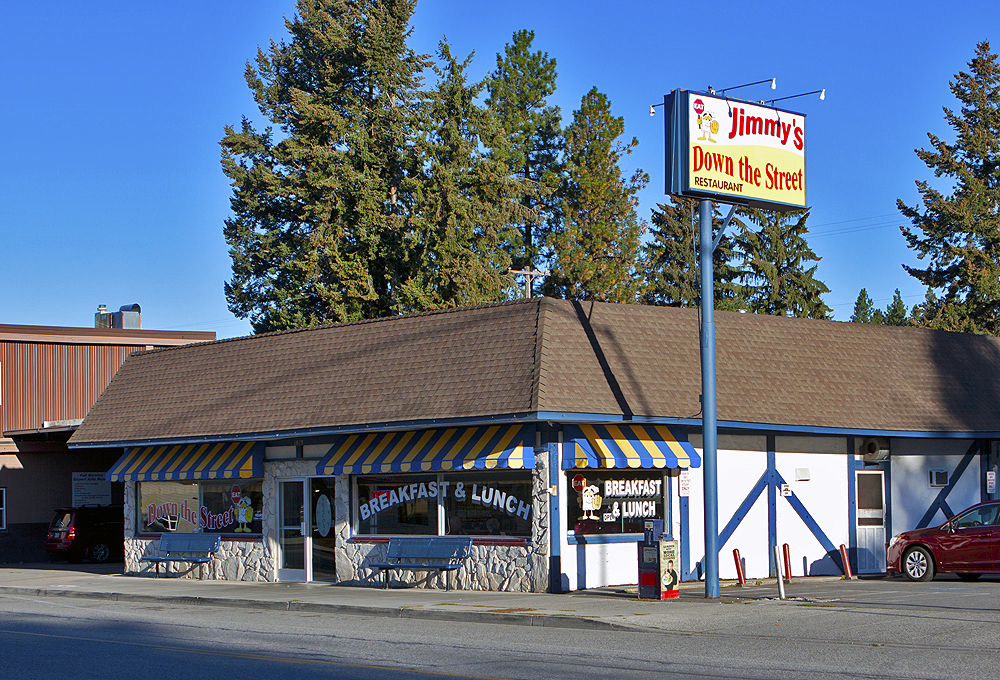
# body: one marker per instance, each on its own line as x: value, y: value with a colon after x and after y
x: 708, y: 420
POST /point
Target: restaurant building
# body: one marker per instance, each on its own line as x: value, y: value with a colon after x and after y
x: 549, y: 431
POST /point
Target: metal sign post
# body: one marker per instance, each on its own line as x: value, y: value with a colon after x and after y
x: 708, y: 421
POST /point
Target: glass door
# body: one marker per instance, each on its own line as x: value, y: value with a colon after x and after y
x: 323, y: 538
x: 293, y: 548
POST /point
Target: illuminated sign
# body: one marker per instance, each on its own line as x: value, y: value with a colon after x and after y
x: 735, y: 151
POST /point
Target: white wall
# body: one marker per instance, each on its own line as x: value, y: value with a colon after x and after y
x: 911, y: 461
x: 824, y: 497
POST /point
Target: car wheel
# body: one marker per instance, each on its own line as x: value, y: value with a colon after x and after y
x: 100, y: 552
x: 969, y: 577
x: 918, y: 565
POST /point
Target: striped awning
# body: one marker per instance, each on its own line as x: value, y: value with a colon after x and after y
x: 456, y: 448
x: 627, y: 446
x: 222, y: 460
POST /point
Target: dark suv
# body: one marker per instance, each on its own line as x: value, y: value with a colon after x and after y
x: 97, y: 532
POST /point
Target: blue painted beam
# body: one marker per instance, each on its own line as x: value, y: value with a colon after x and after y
x: 939, y: 503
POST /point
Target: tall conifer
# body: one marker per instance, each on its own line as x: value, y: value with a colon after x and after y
x: 597, y: 254
x: 322, y: 206
x: 518, y: 92
x: 673, y: 276
x: 958, y: 230
x: 777, y: 278
x: 467, y: 202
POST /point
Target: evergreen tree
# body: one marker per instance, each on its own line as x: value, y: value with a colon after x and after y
x: 895, y: 313
x: 467, y: 200
x: 518, y: 95
x: 322, y: 210
x: 673, y: 276
x: 776, y: 280
x: 863, y: 308
x: 959, y: 233
x: 597, y: 255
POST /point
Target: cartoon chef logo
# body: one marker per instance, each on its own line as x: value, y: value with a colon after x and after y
x: 708, y: 126
x: 244, y: 514
x: 699, y: 106
x: 591, y: 501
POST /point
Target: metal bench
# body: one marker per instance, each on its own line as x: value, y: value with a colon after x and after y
x: 430, y: 553
x: 192, y: 548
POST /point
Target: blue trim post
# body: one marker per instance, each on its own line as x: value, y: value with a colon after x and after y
x: 555, y: 531
x: 708, y: 419
x: 772, y: 506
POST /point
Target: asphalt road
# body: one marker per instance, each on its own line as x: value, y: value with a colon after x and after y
x: 930, y: 638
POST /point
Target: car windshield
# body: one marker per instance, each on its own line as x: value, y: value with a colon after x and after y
x: 977, y: 517
x: 61, y: 521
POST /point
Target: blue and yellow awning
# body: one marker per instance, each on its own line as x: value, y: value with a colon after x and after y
x: 456, y: 448
x: 222, y: 460
x: 627, y: 446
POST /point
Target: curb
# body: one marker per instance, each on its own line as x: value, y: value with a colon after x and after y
x: 541, y: 620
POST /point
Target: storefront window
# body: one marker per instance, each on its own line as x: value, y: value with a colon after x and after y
x: 614, y: 501
x: 223, y: 507
x: 488, y: 504
x: 398, y: 504
x: 233, y: 507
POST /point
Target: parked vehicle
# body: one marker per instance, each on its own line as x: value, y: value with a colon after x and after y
x: 968, y: 545
x: 94, y: 532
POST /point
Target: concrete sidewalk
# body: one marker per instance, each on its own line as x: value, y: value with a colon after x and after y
x: 599, y: 608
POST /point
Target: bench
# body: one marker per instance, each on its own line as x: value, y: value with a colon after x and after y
x: 193, y: 548
x: 430, y: 553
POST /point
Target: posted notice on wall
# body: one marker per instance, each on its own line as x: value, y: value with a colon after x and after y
x: 91, y: 488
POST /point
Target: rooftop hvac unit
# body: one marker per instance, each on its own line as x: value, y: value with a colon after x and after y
x: 874, y: 449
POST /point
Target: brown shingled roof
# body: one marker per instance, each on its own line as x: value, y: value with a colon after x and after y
x: 553, y: 356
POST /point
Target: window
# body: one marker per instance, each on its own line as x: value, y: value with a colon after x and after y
x: 938, y: 478
x: 614, y: 501
x: 398, y: 504
x: 487, y: 503
x: 977, y: 517
x: 220, y: 506
x: 497, y: 504
x: 3, y: 508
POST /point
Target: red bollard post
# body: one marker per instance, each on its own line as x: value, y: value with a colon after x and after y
x: 739, y: 567
x: 788, y: 563
x: 847, y: 562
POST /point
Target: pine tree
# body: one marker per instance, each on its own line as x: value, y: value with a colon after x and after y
x: 863, y: 308
x: 467, y: 200
x: 959, y: 233
x: 895, y: 313
x: 597, y: 254
x: 673, y: 275
x: 518, y: 91
x: 322, y: 209
x: 775, y: 255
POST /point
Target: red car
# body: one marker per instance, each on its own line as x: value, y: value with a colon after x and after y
x: 91, y: 532
x: 968, y: 545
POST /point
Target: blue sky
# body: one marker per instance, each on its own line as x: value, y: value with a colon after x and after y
x: 111, y: 190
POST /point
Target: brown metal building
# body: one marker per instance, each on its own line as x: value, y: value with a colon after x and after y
x: 49, y: 378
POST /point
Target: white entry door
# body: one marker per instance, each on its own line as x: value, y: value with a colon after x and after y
x: 870, y: 521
